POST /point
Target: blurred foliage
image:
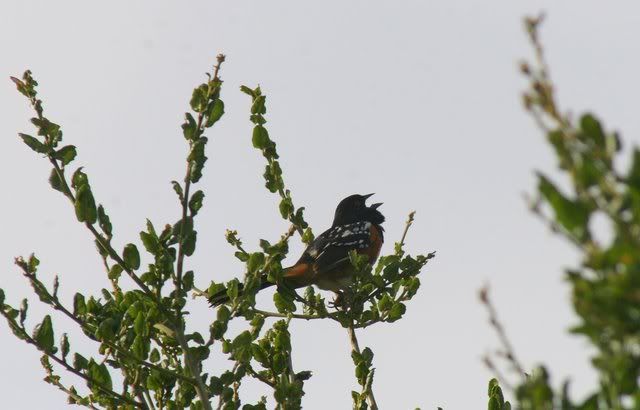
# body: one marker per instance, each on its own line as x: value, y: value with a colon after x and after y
x: 597, y: 208
x: 147, y: 359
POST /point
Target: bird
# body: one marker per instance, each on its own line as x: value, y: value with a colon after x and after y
x: 325, y: 262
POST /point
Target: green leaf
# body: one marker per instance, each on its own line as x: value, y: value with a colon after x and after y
x: 32, y: 263
x: 197, y: 159
x: 131, y: 256
x: 258, y: 106
x: 279, y: 363
x: 115, y: 272
x: 308, y: 236
x: 283, y: 303
x: 48, y: 129
x: 66, y: 154
x: 139, y: 347
x: 255, y: 262
x: 22, y: 87
x: 397, y: 310
x: 189, y: 243
x: 79, y: 178
x: 64, y: 346
x: 385, y: 303
x: 492, y: 383
x: 154, y: 357
x: 106, y: 329
x: 494, y: 404
x: 24, y: 307
x: 247, y: 90
x: 55, y: 181
x: 189, y: 127
x: 286, y: 207
x: 187, y: 281
x: 242, y: 340
x: 258, y: 119
x: 196, y: 337
x: 150, y: 242
x: 592, y: 129
x: 34, y: 143
x: 223, y: 313
x: 178, y: 188
x: 260, y: 138
x: 79, y: 305
x: 199, y: 98
x: 497, y: 394
x: 233, y: 288
x: 104, y: 221
x: 367, y: 355
x: 242, y: 256
x: 43, y: 335
x: 85, y: 205
x: 260, y: 354
x: 99, y: 374
x: 79, y: 362
x: 217, y: 329
x: 633, y: 177
x: 572, y: 215
x: 195, y: 203
x: 215, y: 110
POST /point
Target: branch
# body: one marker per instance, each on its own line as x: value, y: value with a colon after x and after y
x: 289, y: 315
x: 179, y: 331
x: 54, y: 302
x: 508, y: 351
x: 99, y: 239
x: 69, y: 368
x: 187, y: 186
x: 258, y: 376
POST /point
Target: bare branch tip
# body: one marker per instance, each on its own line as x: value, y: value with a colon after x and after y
x: 483, y: 294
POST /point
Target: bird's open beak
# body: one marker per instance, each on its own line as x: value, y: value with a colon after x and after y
x: 375, y: 206
x: 367, y: 196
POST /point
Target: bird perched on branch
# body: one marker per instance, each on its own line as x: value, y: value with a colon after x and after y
x: 325, y: 263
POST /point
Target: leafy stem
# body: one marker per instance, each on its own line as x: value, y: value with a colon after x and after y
x: 212, y: 90
x: 21, y: 332
x: 367, y: 381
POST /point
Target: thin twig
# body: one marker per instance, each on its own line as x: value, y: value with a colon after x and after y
x: 148, y: 396
x: 289, y: 315
x: 71, y: 394
x: 507, y: 347
x: 258, y: 376
x: 412, y: 214
x: 486, y: 359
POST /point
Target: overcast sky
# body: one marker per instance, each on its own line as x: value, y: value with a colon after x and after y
x: 418, y: 101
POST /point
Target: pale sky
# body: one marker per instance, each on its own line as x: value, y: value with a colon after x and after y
x: 418, y: 101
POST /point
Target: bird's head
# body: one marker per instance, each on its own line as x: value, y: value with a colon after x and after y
x: 354, y: 209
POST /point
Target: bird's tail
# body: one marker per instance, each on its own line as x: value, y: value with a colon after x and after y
x: 221, y: 297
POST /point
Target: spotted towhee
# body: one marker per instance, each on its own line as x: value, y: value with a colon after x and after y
x: 325, y: 263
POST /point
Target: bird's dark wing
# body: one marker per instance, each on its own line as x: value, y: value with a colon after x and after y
x: 331, y: 249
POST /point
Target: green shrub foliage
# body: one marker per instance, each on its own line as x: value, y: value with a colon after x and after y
x: 606, y: 285
x: 140, y: 324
